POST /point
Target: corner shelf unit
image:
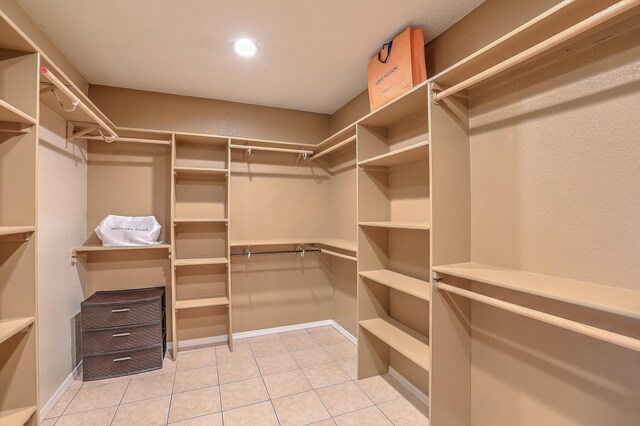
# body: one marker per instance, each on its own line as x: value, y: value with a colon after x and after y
x: 19, y: 115
x: 200, y: 232
x: 394, y: 215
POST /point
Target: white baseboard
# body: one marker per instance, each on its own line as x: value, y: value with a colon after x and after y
x: 44, y: 411
x: 407, y: 384
x: 197, y: 342
x: 254, y: 333
x: 274, y: 330
x: 344, y: 332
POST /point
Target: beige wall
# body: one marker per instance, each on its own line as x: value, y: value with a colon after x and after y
x: 555, y: 189
x: 161, y: 111
x: 62, y: 206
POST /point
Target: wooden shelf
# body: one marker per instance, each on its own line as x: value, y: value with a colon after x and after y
x: 341, y: 135
x: 412, y: 286
x: 274, y: 242
x: 200, y: 171
x: 17, y: 417
x: 409, y: 104
x: 420, y: 226
x: 410, y: 154
x: 16, y: 230
x: 178, y: 221
x: 202, y: 303
x: 13, y: 326
x: 339, y: 243
x: 201, y: 261
x: 595, y: 296
x: 12, y: 114
x: 403, y: 339
x: 87, y: 249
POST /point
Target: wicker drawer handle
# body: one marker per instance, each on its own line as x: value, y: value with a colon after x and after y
x: 120, y: 310
x: 121, y: 335
x: 126, y: 358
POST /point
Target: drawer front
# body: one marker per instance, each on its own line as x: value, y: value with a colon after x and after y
x: 115, y: 315
x: 124, y: 363
x: 121, y: 338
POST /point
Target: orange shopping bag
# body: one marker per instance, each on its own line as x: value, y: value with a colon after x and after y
x: 397, y: 68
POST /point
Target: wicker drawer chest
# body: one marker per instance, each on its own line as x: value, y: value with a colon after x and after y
x: 123, y: 332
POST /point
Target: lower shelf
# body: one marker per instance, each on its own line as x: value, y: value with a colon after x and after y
x: 202, y: 303
x: 16, y: 417
x: 403, y: 339
x: 201, y: 261
x: 13, y: 326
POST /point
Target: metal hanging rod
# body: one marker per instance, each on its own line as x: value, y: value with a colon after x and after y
x: 591, y: 22
x: 577, y: 327
x: 77, y: 102
x: 251, y: 253
x: 248, y: 148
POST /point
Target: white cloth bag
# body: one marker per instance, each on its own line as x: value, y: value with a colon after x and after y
x: 117, y: 231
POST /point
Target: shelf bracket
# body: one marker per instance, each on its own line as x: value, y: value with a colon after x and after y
x: 436, y: 281
x: 80, y: 134
x: 247, y: 154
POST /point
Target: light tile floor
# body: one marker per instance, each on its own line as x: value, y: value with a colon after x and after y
x: 305, y: 377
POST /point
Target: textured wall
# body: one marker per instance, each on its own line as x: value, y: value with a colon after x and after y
x: 62, y: 207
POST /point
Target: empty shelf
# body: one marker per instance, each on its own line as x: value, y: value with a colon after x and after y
x: 13, y: 326
x: 14, y: 230
x: 200, y: 220
x: 86, y: 249
x: 595, y: 296
x: 195, y: 171
x: 407, y: 105
x: 201, y: 261
x: 339, y: 243
x: 403, y: 339
x: 421, y: 226
x: 13, y: 115
x: 412, y: 286
x: 19, y: 416
x: 202, y: 303
x: 401, y: 156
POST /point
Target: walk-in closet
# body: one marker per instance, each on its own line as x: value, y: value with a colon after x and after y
x: 332, y: 213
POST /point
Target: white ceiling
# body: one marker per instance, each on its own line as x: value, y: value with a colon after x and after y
x: 313, y: 54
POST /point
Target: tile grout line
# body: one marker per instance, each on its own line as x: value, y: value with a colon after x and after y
x: 121, y: 398
x: 173, y: 385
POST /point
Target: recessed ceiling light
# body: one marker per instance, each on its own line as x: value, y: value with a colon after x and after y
x: 245, y: 47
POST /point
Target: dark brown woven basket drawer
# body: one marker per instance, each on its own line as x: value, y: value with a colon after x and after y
x: 113, y: 309
x: 121, y: 338
x: 121, y: 363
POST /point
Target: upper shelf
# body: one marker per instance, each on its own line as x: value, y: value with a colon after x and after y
x: 409, y: 104
x: 410, y: 154
x: 595, y: 296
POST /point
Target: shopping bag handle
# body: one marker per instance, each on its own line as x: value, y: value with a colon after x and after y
x: 386, y: 58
